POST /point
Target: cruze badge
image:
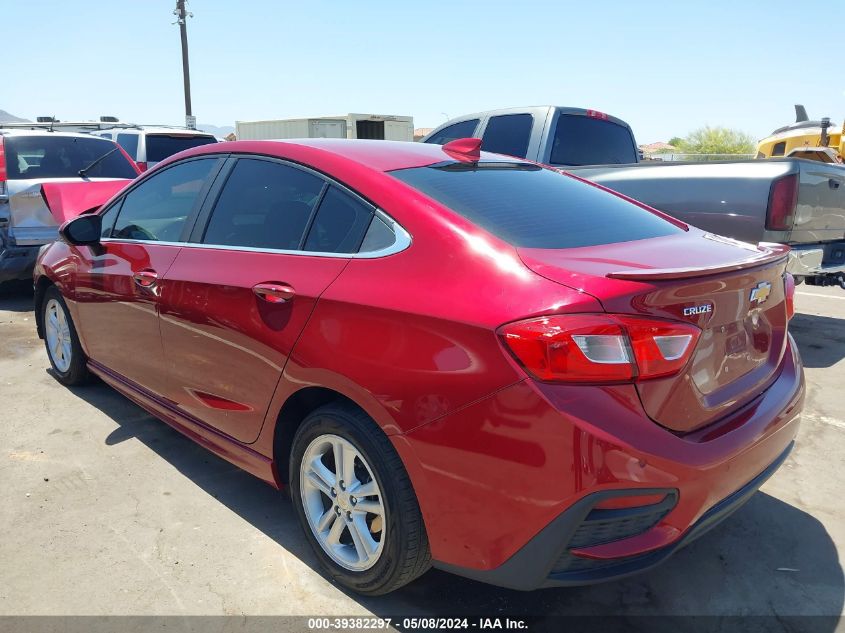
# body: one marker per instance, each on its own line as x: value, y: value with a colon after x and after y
x: 702, y: 309
x: 761, y: 292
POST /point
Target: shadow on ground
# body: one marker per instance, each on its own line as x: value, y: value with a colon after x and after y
x: 16, y: 296
x: 820, y: 339
x: 770, y: 558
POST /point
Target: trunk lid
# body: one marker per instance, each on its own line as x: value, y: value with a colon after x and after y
x: 37, y: 208
x: 732, y: 290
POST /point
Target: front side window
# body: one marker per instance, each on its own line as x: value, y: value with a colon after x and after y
x: 532, y: 207
x: 129, y: 142
x: 464, y: 129
x: 340, y: 224
x: 264, y: 204
x: 156, y: 210
x: 108, y: 217
x: 53, y: 156
x: 508, y: 134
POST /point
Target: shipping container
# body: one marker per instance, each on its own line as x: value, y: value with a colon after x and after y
x: 365, y: 126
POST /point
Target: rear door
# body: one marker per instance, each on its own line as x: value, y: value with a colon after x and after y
x: 119, y: 283
x: 237, y: 298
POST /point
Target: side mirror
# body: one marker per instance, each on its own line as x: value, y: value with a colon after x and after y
x: 84, y: 230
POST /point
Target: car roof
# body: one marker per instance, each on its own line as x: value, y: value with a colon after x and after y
x: 157, y: 129
x: 49, y: 133
x: 542, y: 110
x: 377, y: 155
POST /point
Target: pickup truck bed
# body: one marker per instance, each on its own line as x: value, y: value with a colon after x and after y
x: 733, y: 198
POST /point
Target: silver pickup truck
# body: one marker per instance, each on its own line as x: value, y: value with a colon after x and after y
x: 791, y: 201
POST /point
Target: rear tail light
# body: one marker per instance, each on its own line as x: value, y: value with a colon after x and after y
x: 595, y: 114
x: 600, y: 348
x: 782, y: 200
x: 789, y: 294
x: 141, y: 165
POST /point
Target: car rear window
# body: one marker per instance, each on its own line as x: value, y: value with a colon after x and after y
x: 161, y: 146
x: 582, y: 140
x: 49, y: 156
x: 532, y: 207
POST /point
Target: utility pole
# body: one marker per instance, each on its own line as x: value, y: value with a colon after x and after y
x: 181, y: 19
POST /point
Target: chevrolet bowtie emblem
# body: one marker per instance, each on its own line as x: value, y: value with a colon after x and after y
x: 761, y: 292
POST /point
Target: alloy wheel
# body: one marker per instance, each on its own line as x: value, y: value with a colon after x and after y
x: 57, y: 332
x: 343, y: 502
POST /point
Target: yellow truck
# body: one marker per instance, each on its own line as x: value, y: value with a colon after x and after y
x: 815, y: 140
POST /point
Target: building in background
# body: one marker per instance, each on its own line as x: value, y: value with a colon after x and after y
x: 421, y: 132
x: 386, y: 127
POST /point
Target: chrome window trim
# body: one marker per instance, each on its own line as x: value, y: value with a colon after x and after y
x: 401, y: 242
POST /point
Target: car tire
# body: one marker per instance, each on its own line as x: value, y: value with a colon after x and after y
x: 349, y: 532
x: 70, y: 365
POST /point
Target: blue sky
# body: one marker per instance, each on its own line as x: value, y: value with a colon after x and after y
x: 666, y: 67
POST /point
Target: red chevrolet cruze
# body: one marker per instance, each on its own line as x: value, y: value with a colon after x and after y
x: 452, y: 358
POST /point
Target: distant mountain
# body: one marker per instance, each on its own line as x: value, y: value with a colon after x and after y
x: 217, y: 130
x: 5, y: 117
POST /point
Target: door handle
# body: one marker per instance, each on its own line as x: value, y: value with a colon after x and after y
x: 146, y: 278
x: 833, y: 183
x: 273, y: 292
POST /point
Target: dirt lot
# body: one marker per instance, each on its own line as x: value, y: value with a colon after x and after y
x: 104, y: 510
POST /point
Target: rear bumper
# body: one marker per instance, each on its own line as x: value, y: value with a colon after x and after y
x: 530, y: 567
x: 508, y: 486
x: 17, y: 262
x: 816, y: 259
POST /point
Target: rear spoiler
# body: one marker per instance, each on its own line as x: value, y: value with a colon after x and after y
x: 763, y: 253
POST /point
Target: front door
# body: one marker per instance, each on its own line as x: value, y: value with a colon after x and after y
x: 119, y: 283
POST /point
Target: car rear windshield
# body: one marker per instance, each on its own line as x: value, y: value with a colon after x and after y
x: 532, y: 207
x: 49, y: 156
x: 582, y: 140
x: 160, y: 146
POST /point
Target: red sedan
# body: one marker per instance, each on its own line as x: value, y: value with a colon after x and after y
x: 452, y: 358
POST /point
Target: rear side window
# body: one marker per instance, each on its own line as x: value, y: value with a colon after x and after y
x: 582, y: 140
x: 129, y: 142
x: 532, y: 207
x: 464, y: 129
x: 156, y: 210
x: 508, y: 134
x: 51, y: 156
x: 264, y: 205
x: 778, y: 149
x: 340, y: 224
x: 161, y: 146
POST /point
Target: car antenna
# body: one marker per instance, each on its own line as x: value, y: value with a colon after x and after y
x: 466, y: 150
x: 52, y: 121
